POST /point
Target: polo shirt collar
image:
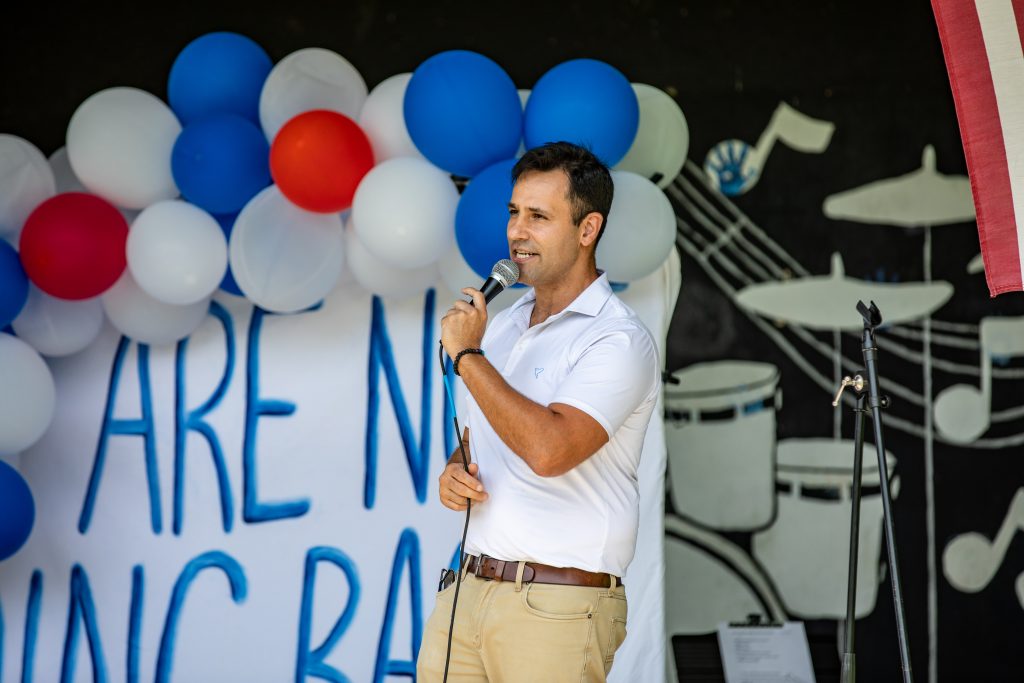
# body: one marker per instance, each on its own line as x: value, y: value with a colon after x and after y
x: 589, y: 302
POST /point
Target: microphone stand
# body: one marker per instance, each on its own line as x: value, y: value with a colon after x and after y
x: 866, y: 390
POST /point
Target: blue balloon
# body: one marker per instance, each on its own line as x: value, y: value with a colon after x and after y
x: 13, y: 284
x: 586, y: 102
x: 227, y: 223
x: 221, y: 162
x: 17, y: 511
x: 463, y: 112
x: 218, y: 73
x: 482, y: 217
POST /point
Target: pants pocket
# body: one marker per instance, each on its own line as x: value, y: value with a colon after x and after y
x: 611, y: 626
x: 563, y: 603
x: 616, y: 635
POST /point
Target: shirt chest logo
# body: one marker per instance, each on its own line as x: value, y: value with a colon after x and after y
x: 536, y: 372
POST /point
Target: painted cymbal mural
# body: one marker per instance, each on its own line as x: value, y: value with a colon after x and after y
x: 759, y: 493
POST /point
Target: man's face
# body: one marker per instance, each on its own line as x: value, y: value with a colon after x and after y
x: 542, y: 238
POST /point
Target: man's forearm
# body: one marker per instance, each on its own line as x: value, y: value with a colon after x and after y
x: 542, y: 437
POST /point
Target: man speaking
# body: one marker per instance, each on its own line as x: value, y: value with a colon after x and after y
x: 562, y: 387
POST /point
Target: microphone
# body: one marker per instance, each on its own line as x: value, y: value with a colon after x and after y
x: 505, y: 273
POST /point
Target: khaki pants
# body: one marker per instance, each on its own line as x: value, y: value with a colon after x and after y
x: 509, y: 631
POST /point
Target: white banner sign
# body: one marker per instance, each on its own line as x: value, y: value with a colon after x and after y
x: 259, y: 503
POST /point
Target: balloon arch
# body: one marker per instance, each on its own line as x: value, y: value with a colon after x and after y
x: 269, y: 181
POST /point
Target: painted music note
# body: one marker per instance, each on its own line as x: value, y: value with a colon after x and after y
x: 734, y: 167
x: 976, y: 265
x: 971, y: 560
x: 963, y: 412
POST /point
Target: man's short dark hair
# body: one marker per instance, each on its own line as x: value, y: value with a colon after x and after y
x: 590, y: 183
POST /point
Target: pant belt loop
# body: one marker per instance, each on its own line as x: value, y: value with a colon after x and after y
x: 519, y: 576
x: 614, y: 582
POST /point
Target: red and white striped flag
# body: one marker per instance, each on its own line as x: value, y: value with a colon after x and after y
x: 981, y: 40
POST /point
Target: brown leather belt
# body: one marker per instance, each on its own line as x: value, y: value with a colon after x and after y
x: 505, y: 570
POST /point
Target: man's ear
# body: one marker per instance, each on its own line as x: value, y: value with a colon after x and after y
x: 591, y: 226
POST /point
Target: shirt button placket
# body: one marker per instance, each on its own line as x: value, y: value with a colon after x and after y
x: 517, y: 353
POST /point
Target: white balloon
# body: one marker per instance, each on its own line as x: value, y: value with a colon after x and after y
x: 662, y: 139
x: 63, y: 174
x: 26, y: 181
x: 383, y: 279
x: 177, y: 252
x: 27, y: 396
x: 119, y: 144
x: 283, y: 258
x: 641, y: 229
x: 383, y: 120
x: 147, y: 320
x: 58, y: 327
x: 312, y: 78
x: 456, y: 274
x: 404, y: 212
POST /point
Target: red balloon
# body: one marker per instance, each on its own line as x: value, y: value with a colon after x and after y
x: 318, y: 159
x: 73, y: 245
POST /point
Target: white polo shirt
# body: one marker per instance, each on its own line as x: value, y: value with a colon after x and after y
x: 598, y: 357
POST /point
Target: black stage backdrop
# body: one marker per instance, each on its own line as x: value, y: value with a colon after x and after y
x: 874, y: 69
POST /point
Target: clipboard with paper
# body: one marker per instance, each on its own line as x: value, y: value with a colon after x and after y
x: 764, y: 652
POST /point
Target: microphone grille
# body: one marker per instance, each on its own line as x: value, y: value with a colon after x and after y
x: 506, y: 272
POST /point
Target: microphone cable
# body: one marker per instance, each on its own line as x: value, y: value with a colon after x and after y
x: 504, y: 274
x: 469, y: 504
